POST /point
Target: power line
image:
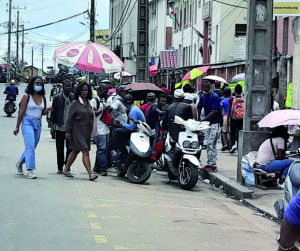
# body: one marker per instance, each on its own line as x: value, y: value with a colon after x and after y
x: 41, y: 26
x: 50, y: 6
x: 236, y: 6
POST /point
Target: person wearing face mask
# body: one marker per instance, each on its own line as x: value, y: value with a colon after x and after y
x: 210, y: 101
x: 33, y: 106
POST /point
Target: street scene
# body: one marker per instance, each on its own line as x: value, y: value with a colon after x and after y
x: 150, y: 125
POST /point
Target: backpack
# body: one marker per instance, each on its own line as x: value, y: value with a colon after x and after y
x: 237, y: 108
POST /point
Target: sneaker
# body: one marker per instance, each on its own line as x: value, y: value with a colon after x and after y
x: 103, y: 173
x: 30, y: 175
x: 224, y: 148
x: 233, y: 149
x: 59, y: 172
x: 96, y: 170
x: 19, y: 168
x: 209, y: 168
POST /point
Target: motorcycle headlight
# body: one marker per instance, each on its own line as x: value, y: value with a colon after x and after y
x: 186, y: 144
x: 194, y: 145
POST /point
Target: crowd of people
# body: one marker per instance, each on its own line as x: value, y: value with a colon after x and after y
x: 109, y: 120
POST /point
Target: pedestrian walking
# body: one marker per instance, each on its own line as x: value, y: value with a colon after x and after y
x: 33, y: 106
x: 210, y: 101
x: 225, y: 128
x: 236, y: 116
x: 59, y: 117
x: 101, y: 139
x: 79, y: 129
x: 151, y: 97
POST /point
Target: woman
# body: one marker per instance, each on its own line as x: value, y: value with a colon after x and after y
x: 79, y: 129
x: 33, y: 106
x: 271, y: 154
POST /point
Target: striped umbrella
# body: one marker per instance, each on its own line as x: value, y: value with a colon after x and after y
x: 88, y: 56
x: 195, y: 73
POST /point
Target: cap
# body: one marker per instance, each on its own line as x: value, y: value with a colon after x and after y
x: 179, y: 93
x: 151, y: 95
x: 122, y: 88
x: 128, y: 99
x: 189, y: 96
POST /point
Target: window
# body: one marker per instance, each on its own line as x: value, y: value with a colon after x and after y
x: 190, y: 56
x: 106, y: 36
x: 180, y: 19
x: 240, y: 29
x: 195, y: 53
x: 190, y: 22
x: 176, y: 21
x: 199, y: 4
x: 185, y: 16
x: 184, y: 57
x: 179, y: 55
x: 99, y: 37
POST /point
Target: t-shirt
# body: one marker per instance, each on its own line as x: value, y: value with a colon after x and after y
x: 265, y: 153
x: 145, y: 108
x: 225, y: 104
x: 102, y: 128
x: 211, y: 102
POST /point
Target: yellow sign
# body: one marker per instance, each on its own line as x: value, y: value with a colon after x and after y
x: 289, y: 96
x: 286, y: 7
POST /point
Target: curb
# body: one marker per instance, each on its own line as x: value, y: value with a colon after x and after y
x: 229, y: 186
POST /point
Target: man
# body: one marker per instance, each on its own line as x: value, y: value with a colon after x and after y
x: 117, y: 107
x: 189, y: 99
x: 156, y: 110
x: 59, y: 116
x: 210, y: 101
x: 151, y: 97
x: 180, y: 109
x: 121, y: 135
x: 101, y: 139
x: 12, y: 90
x: 218, y: 90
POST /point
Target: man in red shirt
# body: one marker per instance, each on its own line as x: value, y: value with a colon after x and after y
x: 150, y: 101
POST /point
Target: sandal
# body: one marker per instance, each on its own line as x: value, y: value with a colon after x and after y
x: 68, y: 174
x: 93, y: 177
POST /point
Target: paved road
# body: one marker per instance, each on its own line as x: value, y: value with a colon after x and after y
x: 57, y: 213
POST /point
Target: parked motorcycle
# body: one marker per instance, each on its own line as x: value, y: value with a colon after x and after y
x: 291, y: 187
x: 181, y: 159
x: 10, y: 106
x: 137, y: 165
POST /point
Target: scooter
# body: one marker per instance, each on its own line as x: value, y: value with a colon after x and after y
x: 187, y: 151
x: 10, y: 106
x: 137, y: 164
x: 291, y: 187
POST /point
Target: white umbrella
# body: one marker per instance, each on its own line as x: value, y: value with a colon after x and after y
x: 124, y: 74
x: 215, y: 78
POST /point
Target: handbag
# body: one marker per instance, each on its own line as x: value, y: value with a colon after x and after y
x: 106, y: 118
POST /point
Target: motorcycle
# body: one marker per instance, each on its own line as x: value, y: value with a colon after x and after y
x: 10, y: 106
x: 137, y: 164
x: 291, y: 187
x: 181, y: 159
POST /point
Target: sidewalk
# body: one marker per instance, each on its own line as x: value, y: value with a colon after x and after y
x: 262, y: 199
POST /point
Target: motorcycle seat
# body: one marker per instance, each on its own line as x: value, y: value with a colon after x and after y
x: 295, y: 174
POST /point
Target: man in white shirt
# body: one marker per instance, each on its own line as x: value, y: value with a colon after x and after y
x: 101, y: 139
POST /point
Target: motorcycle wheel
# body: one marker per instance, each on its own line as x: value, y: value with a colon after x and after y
x: 188, y: 178
x: 139, y: 172
x: 8, y: 114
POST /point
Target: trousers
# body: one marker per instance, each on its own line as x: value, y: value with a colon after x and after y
x: 60, y: 148
x: 278, y: 165
x: 31, y: 130
x: 235, y: 127
x: 121, y: 135
x: 212, y: 139
x: 101, y: 143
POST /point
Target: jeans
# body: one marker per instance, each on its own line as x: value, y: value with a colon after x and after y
x: 278, y: 165
x: 60, y: 147
x: 31, y: 130
x: 235, y: 126
x: 101, y: 142
x: 212, y: 139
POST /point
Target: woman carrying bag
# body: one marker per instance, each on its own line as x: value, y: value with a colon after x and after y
x: 80, y: 128
x: 33, y: 105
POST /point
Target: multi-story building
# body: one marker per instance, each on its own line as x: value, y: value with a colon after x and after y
x: 101, y: 37
x: 209, y: 31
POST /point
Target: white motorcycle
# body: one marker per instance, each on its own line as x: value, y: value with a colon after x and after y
x: 137, y: 164
x: 181, y: 159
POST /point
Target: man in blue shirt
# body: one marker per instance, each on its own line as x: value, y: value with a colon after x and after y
x: 210, y: 101
x: 121, y: 135
x: 12, y: 90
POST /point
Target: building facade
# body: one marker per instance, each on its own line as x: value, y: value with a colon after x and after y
x: 101, y: 37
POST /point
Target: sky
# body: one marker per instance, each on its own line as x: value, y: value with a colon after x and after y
x: 39, y: 12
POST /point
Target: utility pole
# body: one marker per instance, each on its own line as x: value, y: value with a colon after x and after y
x: 42, y: 58
x: 31, y: 61
x: 9, y: 41
x: 23, y: 44
x: 92, y: 32
x: 142, y: 59
x: 258, y: 76
x: 17, y: 53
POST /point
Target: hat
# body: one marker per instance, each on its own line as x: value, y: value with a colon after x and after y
x: 188, y: 96
x: 122, y: 88
x: 179, y: 93
x: 128, y: 99
x: 151, y: 95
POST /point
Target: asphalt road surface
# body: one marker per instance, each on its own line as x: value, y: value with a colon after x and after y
x: 56, y: 213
